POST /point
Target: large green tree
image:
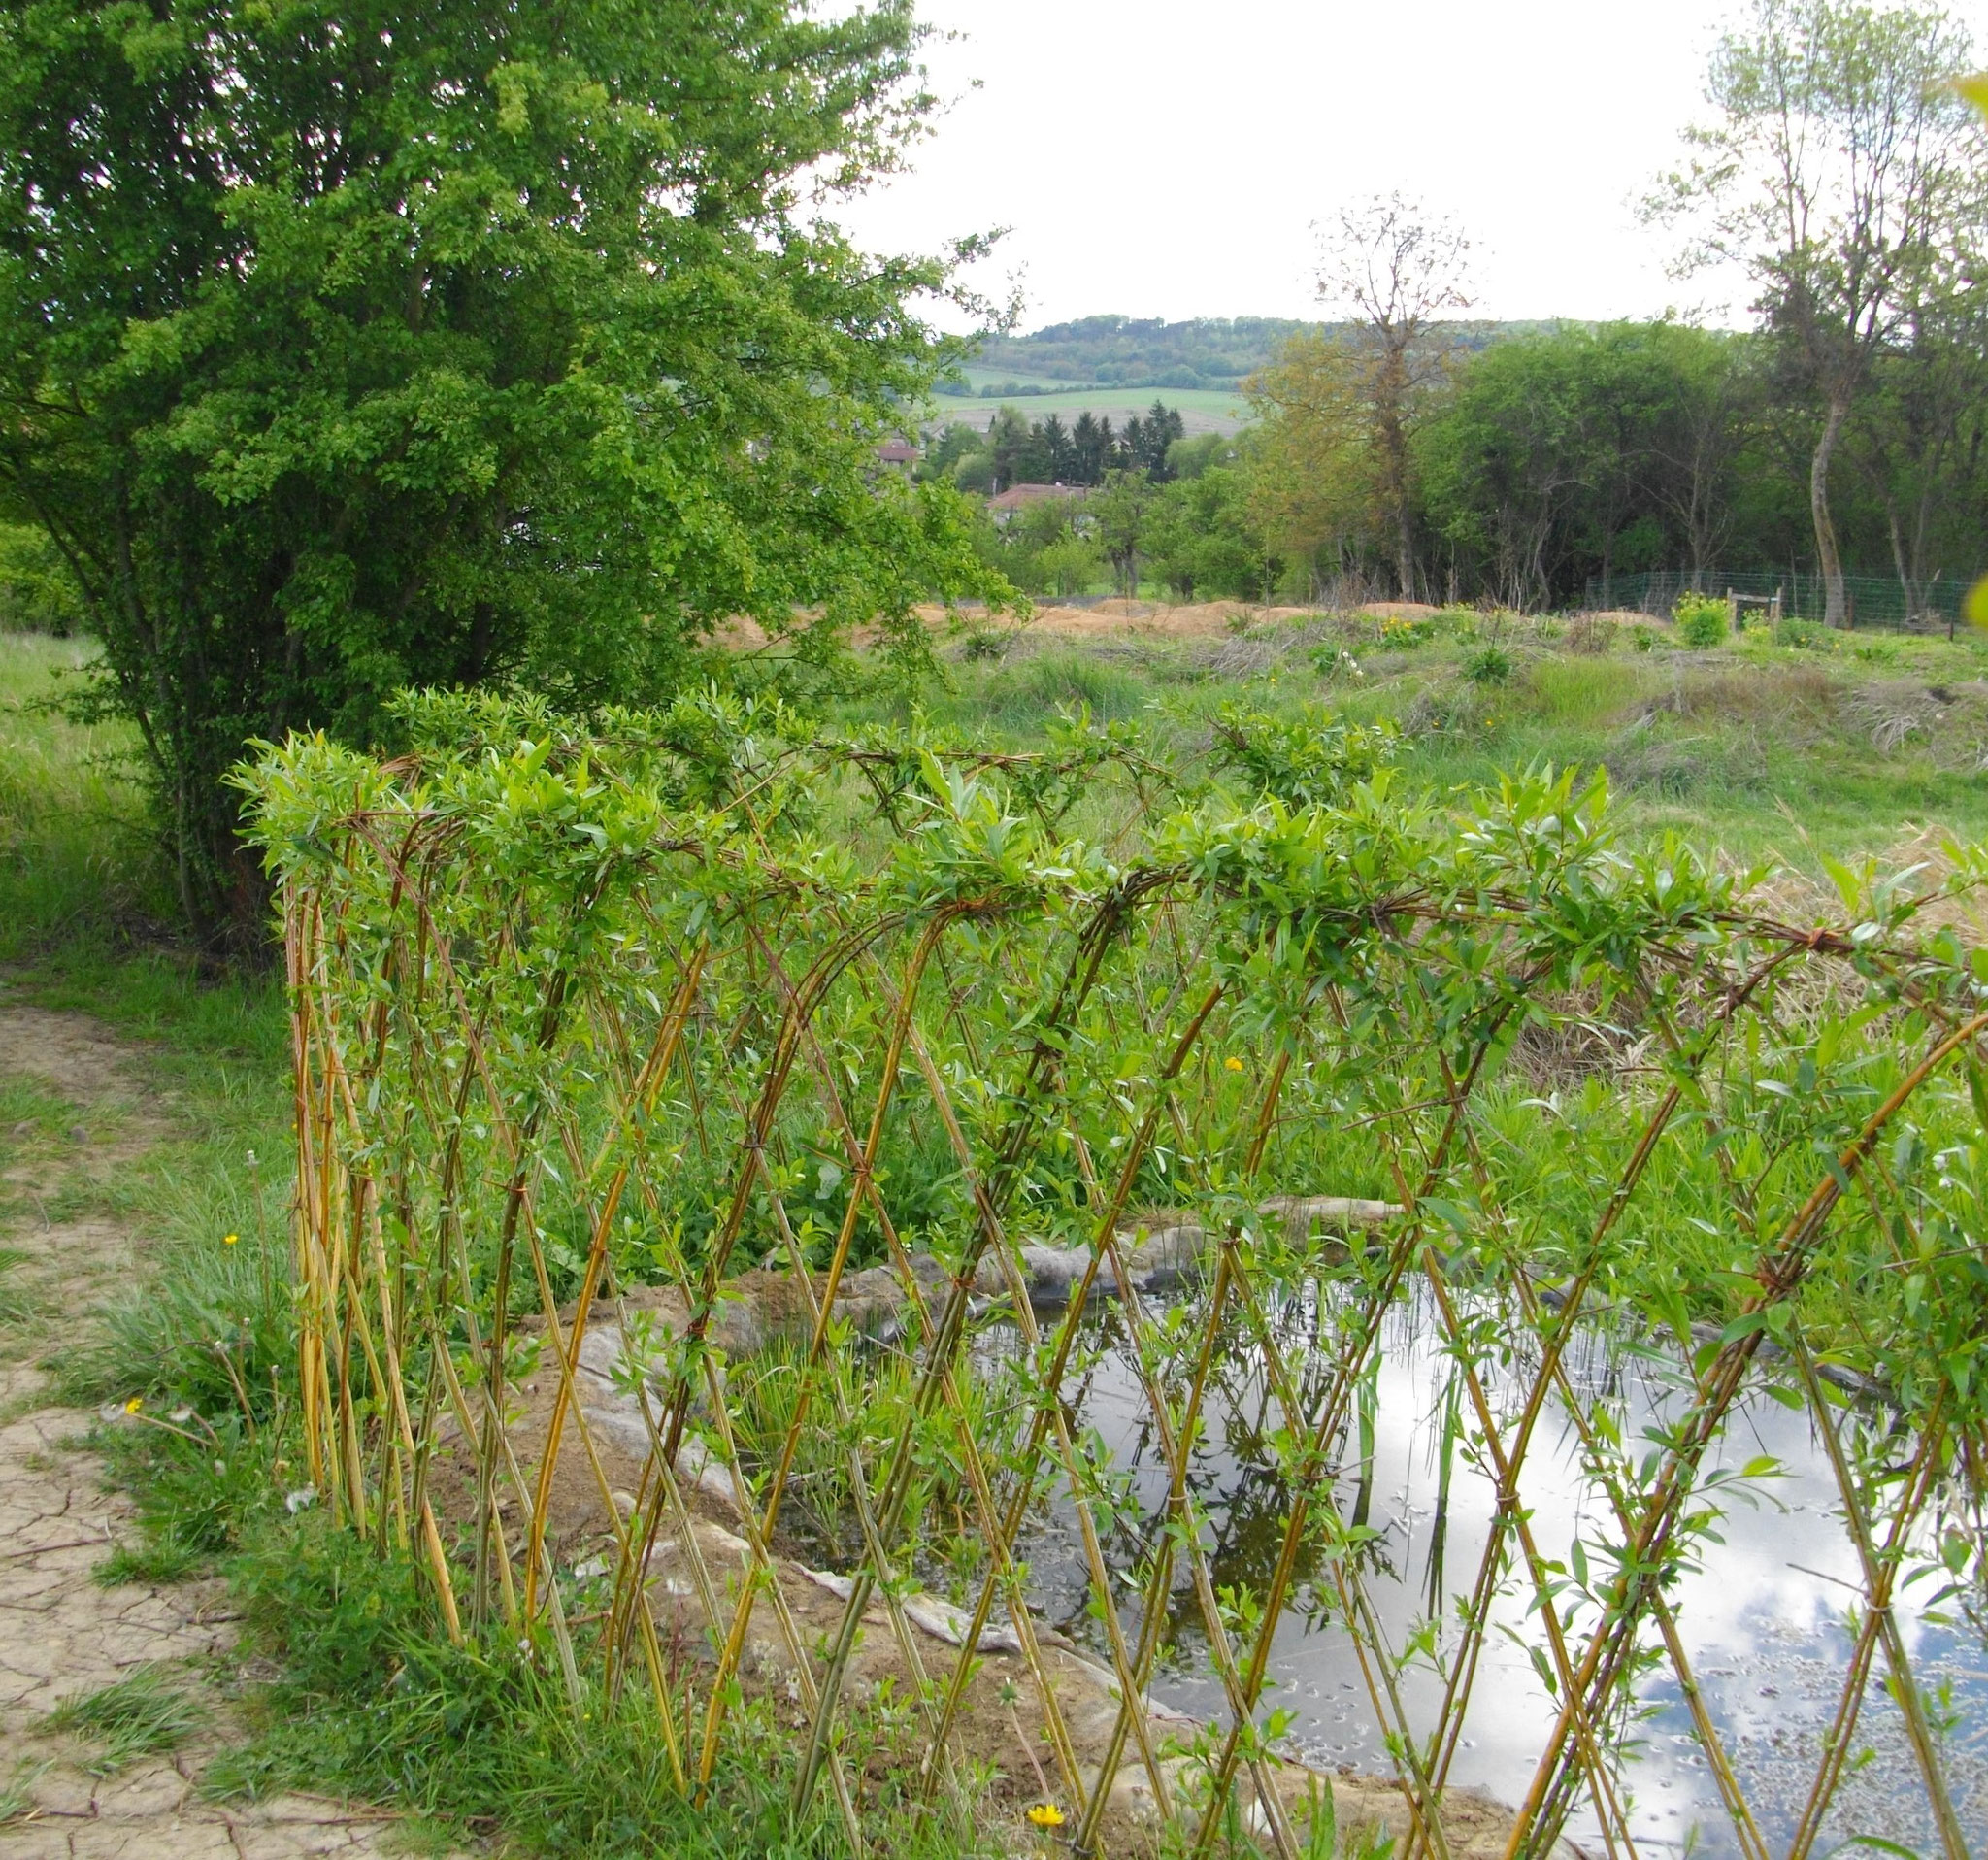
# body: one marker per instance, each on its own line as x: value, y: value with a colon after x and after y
x: 1582, y: 452
x: 1315, y: 483
x: 1203, y: 541
x: 351, y: 346
x: 1847, y: 177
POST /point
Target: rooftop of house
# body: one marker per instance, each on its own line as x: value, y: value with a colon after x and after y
x: 1016, y: 495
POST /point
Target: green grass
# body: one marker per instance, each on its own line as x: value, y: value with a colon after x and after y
x: 147, y: 1714
x: 373, y: 1704
x: 18, y: 1302
x: 1756, y: 750
x: 978, y: 375
x: 18, y: 1791
x: 75, y: 856
x: 1023, y: 694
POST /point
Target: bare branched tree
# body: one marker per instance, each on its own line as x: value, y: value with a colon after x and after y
x: 1391, y: 267
x: 1847, y: 175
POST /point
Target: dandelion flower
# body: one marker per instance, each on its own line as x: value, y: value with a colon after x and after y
x: 1233, y: 1063
x: 134, y: 1404
x: 1047, y: 1814
x: 228, y: 1239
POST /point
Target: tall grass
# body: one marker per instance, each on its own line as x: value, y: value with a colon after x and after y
x: 74, y: 853
x: 1044, y: 683
x: 371, y: 1704
x: 1583, y: 690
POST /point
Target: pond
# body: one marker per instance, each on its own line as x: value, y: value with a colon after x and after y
x: 1762, y: 1617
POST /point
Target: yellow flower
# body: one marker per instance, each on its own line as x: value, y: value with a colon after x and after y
x: 134, y: 1404
x: 1233, y: 1063
x: 228, y: 1239
x: 1047, y: 1814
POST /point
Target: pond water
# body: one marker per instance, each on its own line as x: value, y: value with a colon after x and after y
x: 1762, y: 1617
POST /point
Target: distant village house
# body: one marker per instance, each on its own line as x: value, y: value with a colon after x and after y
x: 1004, y: 505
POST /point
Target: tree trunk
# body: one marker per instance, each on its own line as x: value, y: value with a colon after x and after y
x: 1390, y: 406
x: 1827, y: 558
x: 1898, y: 559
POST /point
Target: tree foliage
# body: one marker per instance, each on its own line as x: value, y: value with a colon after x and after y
x: 1844, y: 173
x: 353, y: 347
x: 1045, y: 452
x: 1316, y: 489
x: 1585, y: 452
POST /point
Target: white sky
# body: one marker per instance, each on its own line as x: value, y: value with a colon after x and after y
x: 1168, y: 157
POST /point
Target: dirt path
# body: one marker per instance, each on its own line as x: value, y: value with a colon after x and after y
x: 63, y: 1636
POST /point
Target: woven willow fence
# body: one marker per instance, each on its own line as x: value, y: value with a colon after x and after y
x: 577, y: 1016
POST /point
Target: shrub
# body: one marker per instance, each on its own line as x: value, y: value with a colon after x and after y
x: 1702, y: 619
x: 1403, y: 634
x: 1308, y: 761
x: 1590, y: 633
x: 1490, y: 666
x: 1805, y: 635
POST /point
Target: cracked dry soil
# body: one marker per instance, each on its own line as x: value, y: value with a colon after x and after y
x: 61, y: 1634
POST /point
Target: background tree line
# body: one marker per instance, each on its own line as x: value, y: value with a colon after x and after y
x: 1149, y: 351
x: 1842, y: 433
x: 1542, y: 464
x: 1016, y: 451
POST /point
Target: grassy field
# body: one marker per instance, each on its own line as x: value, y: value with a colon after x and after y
x: 1203, y: 410
x: 1846, y: 745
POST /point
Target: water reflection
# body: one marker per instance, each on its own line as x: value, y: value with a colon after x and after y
x: 1762, y: 1617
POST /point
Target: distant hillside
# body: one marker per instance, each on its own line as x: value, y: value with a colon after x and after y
x: 1147, y: 352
